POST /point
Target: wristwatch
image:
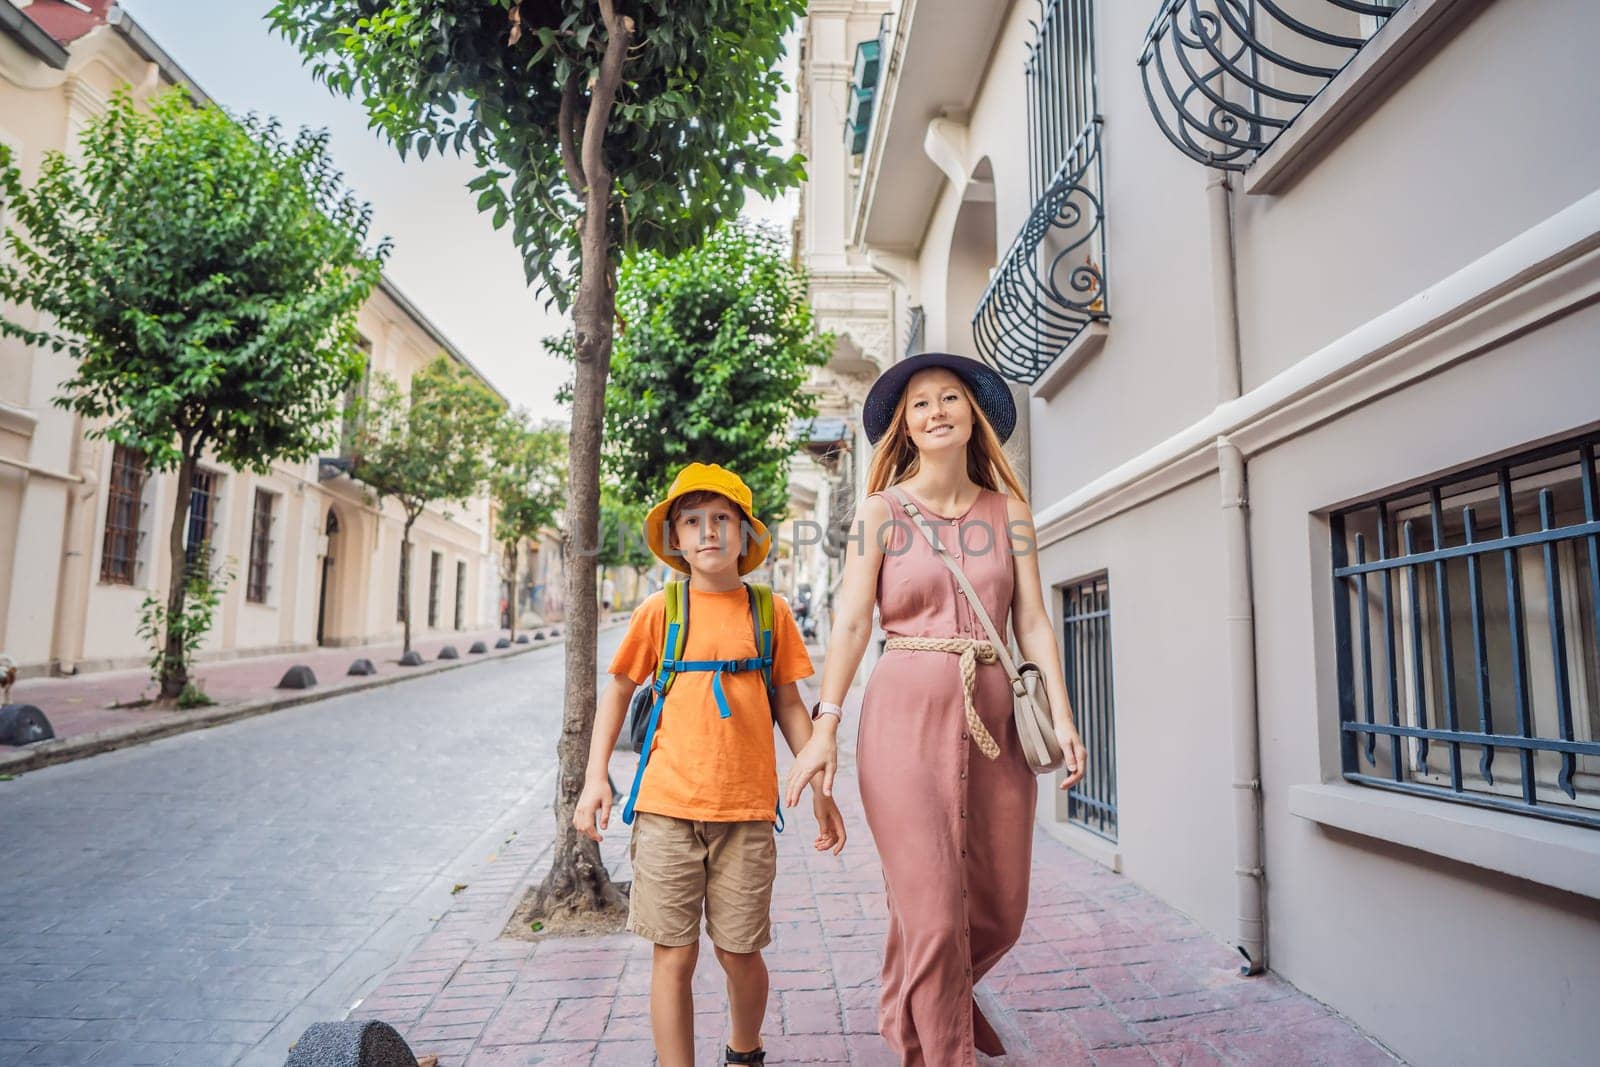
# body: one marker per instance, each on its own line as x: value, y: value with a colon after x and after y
x: 824, y: 708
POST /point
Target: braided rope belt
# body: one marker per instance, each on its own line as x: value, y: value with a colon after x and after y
x: 972, y: 653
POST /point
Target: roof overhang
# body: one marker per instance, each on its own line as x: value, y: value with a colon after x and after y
x: 31, y: 36
x: 940, y: 54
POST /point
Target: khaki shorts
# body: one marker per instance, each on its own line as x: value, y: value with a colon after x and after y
x: 681, y: 868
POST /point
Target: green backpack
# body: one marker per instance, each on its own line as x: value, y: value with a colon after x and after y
x: 672, y: 664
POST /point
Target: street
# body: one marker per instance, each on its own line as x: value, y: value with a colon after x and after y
x: 195, y: 899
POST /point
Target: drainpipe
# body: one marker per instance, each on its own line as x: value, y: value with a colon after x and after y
x: 1239, y: 621
x: 72, y: 588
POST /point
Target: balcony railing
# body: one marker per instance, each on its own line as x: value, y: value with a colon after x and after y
x: 1225, y: 77
x: 1052, y: 281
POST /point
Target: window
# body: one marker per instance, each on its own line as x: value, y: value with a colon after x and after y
x: 354, y: 394
x: 1086, y: 620
x: 119, y: 552
x: 461, y: 592
x: 202, y: 515
x: 1465, y: 620
x: 402, y: 584
x: 256, y: 587
x: 435, y: 562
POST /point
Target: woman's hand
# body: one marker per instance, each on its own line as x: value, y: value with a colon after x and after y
x: 1077, y: 756
x: 820, y: 755
x: 830, y: 824
x: 593, y: 812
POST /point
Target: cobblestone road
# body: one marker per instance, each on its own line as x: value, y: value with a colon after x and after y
x: 201, y: 899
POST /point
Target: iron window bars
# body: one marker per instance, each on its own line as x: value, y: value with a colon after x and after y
x: 435, y: 561
x: 260, y: 546
x: 119, y: 550
x: 202, y: 522
x: 1086, y: 624
x: 1468, y: 663
x: 461, y: 593
x: 1052, y: 281
x: 1224, y: 78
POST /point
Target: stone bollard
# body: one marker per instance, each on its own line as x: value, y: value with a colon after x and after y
x: 449, y: 652
x: 297, y: 677
x: 23, y: 724
x: 504, y: 642
x: 353, y: 1043
x: 362, y: 666
x: 522, y: 639
x: 478, y: 648
x: 411, y: 659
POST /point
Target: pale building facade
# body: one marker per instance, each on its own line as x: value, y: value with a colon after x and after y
x: 1310, y: 362
x: 83, y: 526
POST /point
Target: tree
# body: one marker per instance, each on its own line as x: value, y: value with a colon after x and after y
x: 598, y: 128
x: 528, y: 481
x: 622, y: 540
x: 719, y: 345
x: 429, y: 446
x: 204, y: 273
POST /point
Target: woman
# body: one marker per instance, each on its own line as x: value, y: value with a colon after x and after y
x: 950, y: 800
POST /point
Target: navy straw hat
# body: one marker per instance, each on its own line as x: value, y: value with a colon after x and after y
x: 989, y: 390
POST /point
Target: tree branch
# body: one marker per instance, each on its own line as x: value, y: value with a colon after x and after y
x: 602, y: 97
x: 566, y: 123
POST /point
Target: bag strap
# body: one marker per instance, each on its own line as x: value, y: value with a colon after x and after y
x: 1001, y: 651
x: 761, y: 628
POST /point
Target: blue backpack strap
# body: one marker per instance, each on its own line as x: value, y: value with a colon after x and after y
x: 677, y: 634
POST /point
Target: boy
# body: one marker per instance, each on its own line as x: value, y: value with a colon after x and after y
x: 706, y: 796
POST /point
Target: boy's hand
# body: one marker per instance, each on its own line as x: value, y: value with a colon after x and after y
x: 830, y: 824
x: 820, y: 754
x: 595, y: 801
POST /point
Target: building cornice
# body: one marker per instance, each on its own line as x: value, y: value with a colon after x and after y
x: 1541, y: 274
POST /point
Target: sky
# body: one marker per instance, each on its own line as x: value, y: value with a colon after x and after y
x: 453, y: 265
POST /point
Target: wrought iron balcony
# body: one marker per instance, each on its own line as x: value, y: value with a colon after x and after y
x: 1052, y: 282
x: 1225, y: 77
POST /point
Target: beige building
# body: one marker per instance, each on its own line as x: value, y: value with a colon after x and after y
x: 83, y: 525
x: 1299, y: 300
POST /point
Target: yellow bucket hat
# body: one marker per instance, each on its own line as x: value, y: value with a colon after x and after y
x: 713, y: 478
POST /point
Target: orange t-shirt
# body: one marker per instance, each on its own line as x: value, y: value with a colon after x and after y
x: 702, y: 766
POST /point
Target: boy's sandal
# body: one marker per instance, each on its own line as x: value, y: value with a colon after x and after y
x: 755, y: 1056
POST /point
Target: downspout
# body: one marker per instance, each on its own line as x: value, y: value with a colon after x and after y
x: 1239, y: 621
x: 72, y: 588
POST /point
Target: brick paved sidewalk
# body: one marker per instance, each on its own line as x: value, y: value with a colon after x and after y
x: 82, y: 710
x: 1105, y: 974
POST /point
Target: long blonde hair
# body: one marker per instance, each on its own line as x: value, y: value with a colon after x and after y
x: 896, y: 459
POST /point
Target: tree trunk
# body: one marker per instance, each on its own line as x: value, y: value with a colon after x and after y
x: 174, y: 671
x: 511, y: 588
x: 405, y: 582
x: 578, y: 881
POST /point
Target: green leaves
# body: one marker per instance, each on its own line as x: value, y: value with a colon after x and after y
x: 690, y: 132
x: 203, y: 272
x: 432, y: 444
x: 713, y: 367
x: 527, y: 477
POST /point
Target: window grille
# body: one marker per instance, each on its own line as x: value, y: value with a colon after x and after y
x: 119, y: 551
x: 202, y: 516
x: 256, y: 587
x: 1086, y: 620
x: 1465, y: 616
x: 435, y: 562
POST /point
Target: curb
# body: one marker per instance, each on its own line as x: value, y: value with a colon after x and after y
x: 82, y: 746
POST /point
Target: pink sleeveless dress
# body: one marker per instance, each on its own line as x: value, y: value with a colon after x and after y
x: 953, y: 828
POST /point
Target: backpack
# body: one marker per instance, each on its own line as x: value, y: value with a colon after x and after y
x: 644, y: 710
